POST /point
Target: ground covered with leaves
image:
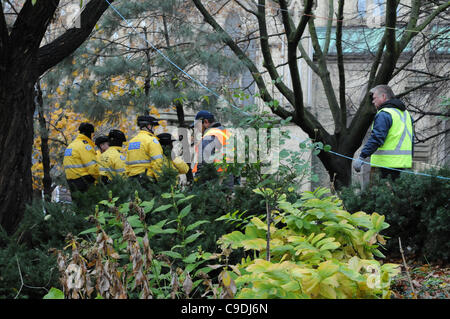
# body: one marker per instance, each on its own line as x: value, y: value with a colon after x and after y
x: 425, y: 281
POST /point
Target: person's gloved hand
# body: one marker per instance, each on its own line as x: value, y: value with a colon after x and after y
x: 357, y: 164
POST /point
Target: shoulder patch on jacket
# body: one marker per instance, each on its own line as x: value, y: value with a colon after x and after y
x: 68, y: 152
x: 88, y: 147
x: 134, y: 146
x: 155, y: 140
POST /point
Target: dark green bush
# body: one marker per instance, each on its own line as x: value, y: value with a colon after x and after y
x: 416, y: 207
x: 26, y: 253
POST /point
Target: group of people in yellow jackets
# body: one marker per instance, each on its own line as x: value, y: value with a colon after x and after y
x: 145, y: 157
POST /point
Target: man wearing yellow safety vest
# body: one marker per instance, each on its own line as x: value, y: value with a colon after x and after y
x: 144, y: 154
x: 390, y: 144
x: 211, y: 147
x: 80, y: 164
x: 112, y: 161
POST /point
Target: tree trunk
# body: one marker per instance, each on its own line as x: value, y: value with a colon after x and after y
x: 22, y: 61
x: 339, y: 169
x: 16, y: 141
x: 45, y: 152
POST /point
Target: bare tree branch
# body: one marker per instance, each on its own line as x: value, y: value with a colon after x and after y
x: 54, y: 52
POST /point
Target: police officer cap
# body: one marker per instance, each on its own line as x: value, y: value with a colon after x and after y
x: 165, y: 139
x: 117, y: 136
x: 143, y: 120
x: 100, y: 140
x: 86, y: 128
x: 202, y: 115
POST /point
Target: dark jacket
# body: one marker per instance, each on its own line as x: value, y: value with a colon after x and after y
x: 210, y: 144
x: 381, y: 125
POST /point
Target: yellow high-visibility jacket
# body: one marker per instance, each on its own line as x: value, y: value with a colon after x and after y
x: 80, y: 158
x: 144, y: 153
x: 112, y: 162
x: 396, y: 151
x: 177, y: 163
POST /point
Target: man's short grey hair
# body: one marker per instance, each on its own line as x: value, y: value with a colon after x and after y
x: 383, y: 89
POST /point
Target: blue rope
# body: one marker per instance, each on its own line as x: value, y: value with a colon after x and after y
x: 218, y: 96
x: 391, y: 168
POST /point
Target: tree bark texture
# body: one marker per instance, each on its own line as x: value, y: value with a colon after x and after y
x: 45, y: 151
x: 22, y: 62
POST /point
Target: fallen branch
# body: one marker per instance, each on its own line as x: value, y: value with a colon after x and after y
x: 406, y: 268
x: 23, y: 284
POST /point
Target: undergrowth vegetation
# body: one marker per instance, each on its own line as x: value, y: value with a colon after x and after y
x: 263, y: 238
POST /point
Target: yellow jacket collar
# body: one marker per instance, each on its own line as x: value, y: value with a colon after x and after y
x: 85, y: 138
x: 147, y: 132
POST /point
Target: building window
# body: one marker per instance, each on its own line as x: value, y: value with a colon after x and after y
x: 361, y: 8
x: 379, y: 7
x: 372, y: 8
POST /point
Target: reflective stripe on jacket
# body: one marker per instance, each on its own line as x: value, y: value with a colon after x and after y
x: 112, y: 162
x: 396, y: 151
x: 144, y: 153
x: 80, y: 158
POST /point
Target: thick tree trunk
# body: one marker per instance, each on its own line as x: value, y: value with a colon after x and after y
x: 16, y: 141
x: 22, y: 61
x: 339, y: 168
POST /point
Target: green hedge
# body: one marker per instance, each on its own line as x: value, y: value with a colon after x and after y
x: 416, y: 207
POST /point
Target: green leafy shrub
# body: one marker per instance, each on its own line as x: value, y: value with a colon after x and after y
x: 317, y: 250
x: 115, y: 260
x: 416, y: 207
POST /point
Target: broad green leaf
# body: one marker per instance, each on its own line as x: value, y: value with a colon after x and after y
x: 235, y: 238
x: 377, y: 221
x: 185, y: 199
x: 196, y: 224
x: 327, y: 291
x: 192, y: 238
x: 261, y: 225
x: 162, y: 208
x: 172, y: 254
x: 253, y: 232
x: 191, y: 258
x: 185, y: 211
x: 330, y: 246
x: 257, y: 243
x: 54, y: 293
x: 259, y: 265
x: 135, y: 221
x: 317, y: 238
x: 327, y: 269
x: 148, y: 205
x: 89, y: 231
